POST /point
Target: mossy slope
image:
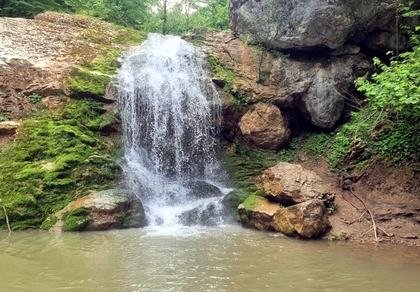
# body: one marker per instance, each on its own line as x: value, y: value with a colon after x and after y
x: 55, y: 159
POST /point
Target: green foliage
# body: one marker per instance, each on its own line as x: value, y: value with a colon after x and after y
x: 34, y: 98
x: 30, y: 8
x: 55, y: 159
x: 387, y: 128
x: 3, y: 117
x: 316, y: 144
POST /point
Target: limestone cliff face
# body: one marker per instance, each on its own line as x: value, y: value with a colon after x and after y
x: 313, y: 86
x: 307, y: 25
x: 37, y: 56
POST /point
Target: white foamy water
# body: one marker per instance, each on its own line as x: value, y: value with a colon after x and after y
x: 170, y: 114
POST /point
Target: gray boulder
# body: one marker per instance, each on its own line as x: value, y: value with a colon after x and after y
x: 306, y: 25
x: 317, y: 86
x: 200, y: 189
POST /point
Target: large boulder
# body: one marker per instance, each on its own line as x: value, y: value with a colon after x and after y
x: 256, y: 212
x: 308, y: 219
x: 309, y: 24
x: 109, y: 209
x: 265, y: 127
x: 290, y: 184
x: 316, y: 86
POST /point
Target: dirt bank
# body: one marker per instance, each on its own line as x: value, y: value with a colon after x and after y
x: 391, y: 195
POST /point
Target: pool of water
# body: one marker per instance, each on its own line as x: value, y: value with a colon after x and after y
x: 226, y: 258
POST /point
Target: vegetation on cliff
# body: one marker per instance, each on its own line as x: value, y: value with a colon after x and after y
x: 387, y: 127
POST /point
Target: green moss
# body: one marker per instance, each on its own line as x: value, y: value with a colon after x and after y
x: 106, y: 64
x: 246, y: 164
x: 76, y: 220
x: 128, y: 36
x: 87, y: 82
x: 251, y: 201
x: 125, y: 218
x: 220, y: 72
x: 49, y: 222
x: 55, y: 159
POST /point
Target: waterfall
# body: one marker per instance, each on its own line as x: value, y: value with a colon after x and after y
x: 170, y: 114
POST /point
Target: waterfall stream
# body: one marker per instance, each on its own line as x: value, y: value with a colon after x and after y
x: 170, y: 114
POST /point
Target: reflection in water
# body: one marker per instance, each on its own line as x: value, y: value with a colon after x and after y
x: 219, y: 259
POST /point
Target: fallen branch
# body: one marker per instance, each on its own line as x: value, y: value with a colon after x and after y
x: 375, y: 229
x: 358, y: 219
x: 351, y: 203
x: 7, y: 220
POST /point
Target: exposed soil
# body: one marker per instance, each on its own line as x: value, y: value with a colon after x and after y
x: 391, y: 194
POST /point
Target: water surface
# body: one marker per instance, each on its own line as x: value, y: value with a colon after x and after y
x: 199, y: 259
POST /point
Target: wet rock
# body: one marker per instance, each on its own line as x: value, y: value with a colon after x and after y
x: 314, y: 24
x: 257, y: 212
x: 8, y: 127
x: 109, y: 209
x: 201, y: 189
x: 290, y: 184
x: 265, y: 127
x: 308, y: 219
x: 199, y: 216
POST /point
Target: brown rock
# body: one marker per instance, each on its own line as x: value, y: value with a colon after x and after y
x: 265, y: 127
x: 109, y: 209
x: 308, y: 219
x: 290, y: 184
x: 8, y: 128
x: 257, y: 212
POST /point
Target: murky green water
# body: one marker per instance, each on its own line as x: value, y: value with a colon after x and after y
x: 218, y: 259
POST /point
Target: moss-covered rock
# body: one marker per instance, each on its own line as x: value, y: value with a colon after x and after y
x: 108, y: 209
x: 256, y: 212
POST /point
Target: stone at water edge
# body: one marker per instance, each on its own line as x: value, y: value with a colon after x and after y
x: 208, y: 216
x: 265, y: 126
x: 109, y: 209
x: 256, y: 212
x: 290, y: 184
x: 308, y: 219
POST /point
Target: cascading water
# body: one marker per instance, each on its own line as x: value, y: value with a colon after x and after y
x: 170, y: 114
